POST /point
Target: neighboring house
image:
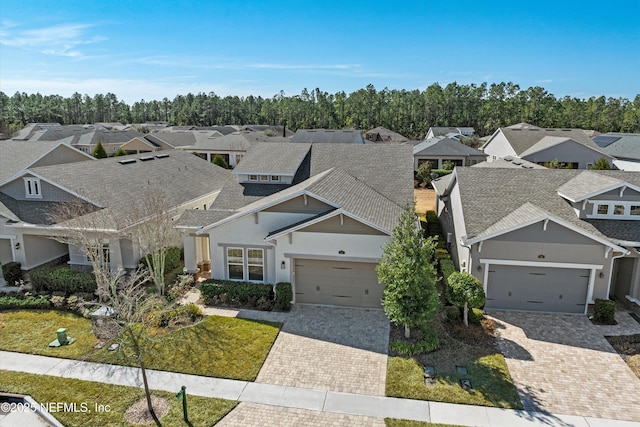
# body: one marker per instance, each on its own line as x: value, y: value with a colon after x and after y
x: 544, y: 240
x: 441, y: 149
x: 625, y: 147
x: 444, y: 131
x: 83, y: 137
x: 306, y: 214
x: 233, y: 146
x: 109, y: 190
x: 321, y: 136
x: 572, y: 147
x: 381, y: 134
x: 509, y: 163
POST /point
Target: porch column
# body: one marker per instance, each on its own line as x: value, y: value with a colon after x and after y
x: 190, y: 254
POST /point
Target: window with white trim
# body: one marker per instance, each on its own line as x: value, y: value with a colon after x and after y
x: 255, y: 264
x: 616, y: 210
x: 235, y: 263
x: 32, y: 188
x: 275, y: 178
x: 245, y: 264
x: 264, y: 177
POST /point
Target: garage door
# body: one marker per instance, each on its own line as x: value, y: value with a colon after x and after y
x: 352, y: 284
x: 562, y: 290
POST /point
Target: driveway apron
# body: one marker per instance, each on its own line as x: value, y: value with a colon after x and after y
x: 330, y: 348
x: 563, y: 364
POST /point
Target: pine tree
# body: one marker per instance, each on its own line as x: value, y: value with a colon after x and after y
x: 99, y: 152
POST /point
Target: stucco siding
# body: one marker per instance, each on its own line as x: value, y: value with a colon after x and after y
x: 459, y: 253
x: 39, y: 250
x: 6, y: 255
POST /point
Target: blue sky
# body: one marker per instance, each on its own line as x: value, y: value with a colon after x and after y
x: 140, y: 49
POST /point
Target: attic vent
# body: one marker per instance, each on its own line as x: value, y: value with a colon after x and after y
x: 508, y: 159
x: 127, y: 161
x: 146, y: 158
x: 161, y: 156
x: 527, y: 166
x: 515, y: 162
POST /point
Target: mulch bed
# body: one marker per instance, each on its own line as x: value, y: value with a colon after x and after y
x: 138, y: 413
x: 459, y: 345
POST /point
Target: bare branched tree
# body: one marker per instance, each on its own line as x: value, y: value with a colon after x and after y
x: 155, y: 235
x: 88, y: 229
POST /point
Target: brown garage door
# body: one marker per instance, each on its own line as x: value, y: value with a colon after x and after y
x: 561, y: 290
x: 352, y: 284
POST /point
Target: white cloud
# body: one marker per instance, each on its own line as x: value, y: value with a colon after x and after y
x: 57, y: 40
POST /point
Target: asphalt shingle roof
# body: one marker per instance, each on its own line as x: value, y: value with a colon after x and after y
x: 273, y: 159
x: 324, y: 136
x: 440, y: 146
x: 523, y: 138
x: 627, y: 147
x: 492, y: 195
x: 178, y: 176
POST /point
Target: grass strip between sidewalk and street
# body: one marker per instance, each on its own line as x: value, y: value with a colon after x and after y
x: 106, y: 404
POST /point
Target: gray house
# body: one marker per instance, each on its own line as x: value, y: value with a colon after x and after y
x: 542, y: 239
x: 440, y: 149
x: 321, y: 136
x: 108, y: 190
x: 625, y: 147
x: 572, y: 147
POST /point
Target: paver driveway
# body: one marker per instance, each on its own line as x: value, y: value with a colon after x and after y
x: 330, y: 348
x: 563, y: 364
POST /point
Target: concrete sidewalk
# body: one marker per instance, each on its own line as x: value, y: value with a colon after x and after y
x: 299, y: 398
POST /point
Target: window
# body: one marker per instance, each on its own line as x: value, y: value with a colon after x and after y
x: 275, y: 178
x: 618, y: 210
x: 253, y: 177
x: 32, y: 188
x: 635, y: 210
x: 603, y: 209
x: 264, y: 177
x: 255, y: 263
x: 235, y: 263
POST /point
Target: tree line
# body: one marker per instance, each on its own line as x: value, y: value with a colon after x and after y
x: 409, y: 112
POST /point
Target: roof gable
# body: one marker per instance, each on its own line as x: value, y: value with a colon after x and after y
x: 549, y: 142
x: 440, y: 146
x: 589, y: 184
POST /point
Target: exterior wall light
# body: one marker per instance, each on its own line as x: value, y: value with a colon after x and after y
x: 541, y: 256
x: 282, y: 265
x: 479, y: 268
x: 17, y: 246
x: 341, y: 252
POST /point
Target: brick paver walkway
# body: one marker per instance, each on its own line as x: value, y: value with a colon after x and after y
x: 563, y: 364
x: 330, y: 348
x: 254, y: 414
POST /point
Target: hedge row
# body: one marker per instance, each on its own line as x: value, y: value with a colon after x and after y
x: 62, y: 279
x: 245, y: 294
x: 284, y: 295
x: 446, y: 268
x: 7, y: 303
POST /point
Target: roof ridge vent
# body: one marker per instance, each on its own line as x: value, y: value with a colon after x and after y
x: 146, y: 158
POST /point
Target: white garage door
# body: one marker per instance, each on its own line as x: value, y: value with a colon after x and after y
x: 561, y: 290
x: 351, y: 284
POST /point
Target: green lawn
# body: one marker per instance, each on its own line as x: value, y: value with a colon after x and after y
x: 221, y: 347
x: 46, y: 389
x: 492, y: 385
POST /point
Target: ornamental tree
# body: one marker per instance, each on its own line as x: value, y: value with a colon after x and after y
x: 406, y: 269
x: 464, y: 290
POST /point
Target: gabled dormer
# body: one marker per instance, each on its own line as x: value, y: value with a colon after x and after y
x: 598, y: 196
x: 271, y: 163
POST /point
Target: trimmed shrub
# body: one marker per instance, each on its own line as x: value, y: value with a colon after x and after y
x: 441, y: 253
x: 284, y: 295
x: 245, y: 294
x: 12, y: 272
x: 441, y: 172
x: 431, y: 217
x: 475, y: 316
x: 7, y: 303
x: 189, y: 312
x: 63, y: 280
x: 603, y: 312
x: 453, y: 313
x: 446, y: 268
